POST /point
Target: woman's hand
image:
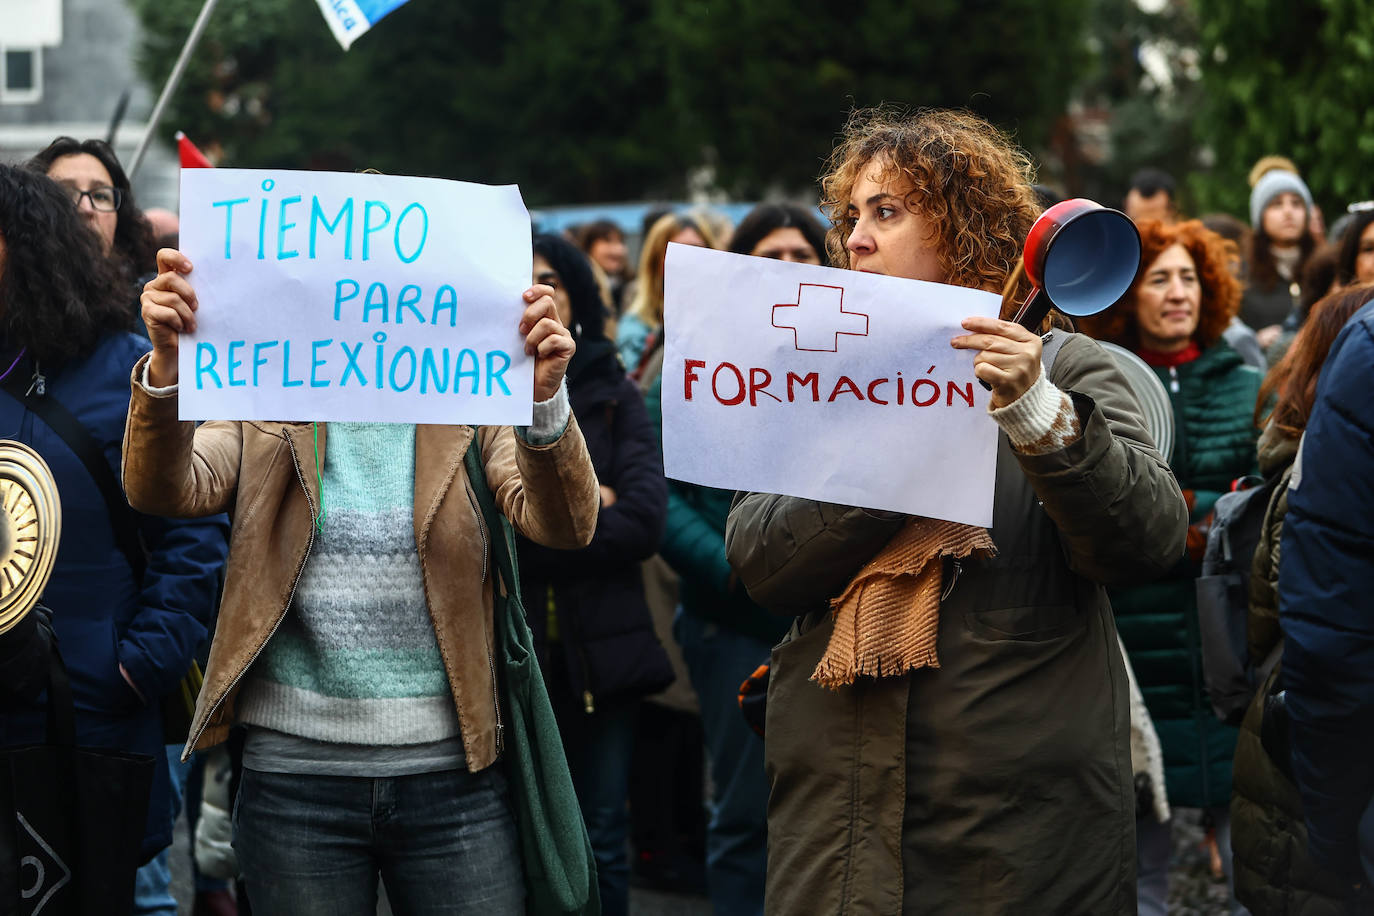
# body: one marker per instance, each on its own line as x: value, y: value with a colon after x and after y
x: 1266, y: 336
x: 1008, y: 356
x: 169, y: 310
x: 546, y: 340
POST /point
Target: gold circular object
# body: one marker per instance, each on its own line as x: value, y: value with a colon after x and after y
x: 30, y: 527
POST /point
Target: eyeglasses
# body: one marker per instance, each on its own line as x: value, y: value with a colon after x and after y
x: 102, y: 198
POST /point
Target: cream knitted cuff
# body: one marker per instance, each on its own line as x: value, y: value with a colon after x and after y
x: 1041, y: 421
x: 549, y: 420
x: 157, y: 392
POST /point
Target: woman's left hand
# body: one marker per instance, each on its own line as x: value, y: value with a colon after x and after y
x: 1008, y: 356
x: 546, y: 340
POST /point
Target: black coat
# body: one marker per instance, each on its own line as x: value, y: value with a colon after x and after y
x: 596, y: 594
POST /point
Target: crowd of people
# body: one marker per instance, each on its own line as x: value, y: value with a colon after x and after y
x: 1042, y: 712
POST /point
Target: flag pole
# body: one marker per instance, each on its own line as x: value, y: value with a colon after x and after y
x: 172, y: 81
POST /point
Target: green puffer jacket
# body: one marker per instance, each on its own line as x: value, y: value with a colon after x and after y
x: 1275, y: 876
x: 1213, y: 403
x: 694, y: 545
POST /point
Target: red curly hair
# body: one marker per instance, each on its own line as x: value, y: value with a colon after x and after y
x: 1221, y: 291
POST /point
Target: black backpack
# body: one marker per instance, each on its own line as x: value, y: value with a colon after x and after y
x: 1223, y: 598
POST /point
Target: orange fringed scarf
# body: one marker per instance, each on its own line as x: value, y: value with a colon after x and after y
x: 888, y: 617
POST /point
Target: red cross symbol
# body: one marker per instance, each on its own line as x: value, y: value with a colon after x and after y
x: 818, y: 318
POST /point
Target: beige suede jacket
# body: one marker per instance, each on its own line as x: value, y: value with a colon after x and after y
x: 263, y: 475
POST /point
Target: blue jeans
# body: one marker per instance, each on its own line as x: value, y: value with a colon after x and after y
x: 316, y: 845
x: 598, y: 747
x: 153, y: 882
x: 719, y: 660
x: 1153, y: 849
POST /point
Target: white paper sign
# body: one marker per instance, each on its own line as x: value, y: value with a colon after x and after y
x: 827, y: 384
x: 335, y: 296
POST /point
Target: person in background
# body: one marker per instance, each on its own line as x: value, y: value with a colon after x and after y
x: 1173, y: 318
x: 127, y: 639
x: 165, y: 224
x: 1151, y: 196
x: 724, y: 635
x: 1342, y: 223
x: 1238, y: 334
x: 91, y: 174
x: 719, y: 228
x: 999, y: 780
x: 354, y: 644
x: 1280, y: 244
x: 667, y: 782
x: 784, y: 232
x: 1355, y: 264
x: 1326, y: 578
x: 639, y: 333
x: 604, y: 243
x: 104, y: 197
x: 586, y: 607
x: 1275, y: 876
x: 1318, y: 281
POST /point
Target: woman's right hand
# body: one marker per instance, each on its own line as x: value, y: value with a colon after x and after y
x: 169, y: 310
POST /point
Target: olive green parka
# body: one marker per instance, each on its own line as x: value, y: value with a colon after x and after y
x: 999, y: 782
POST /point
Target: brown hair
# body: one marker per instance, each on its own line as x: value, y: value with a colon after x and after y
x: 1294, y: 379
x: 967, y: 180
x: 648, y: 301
x: 1259, y: 255
x: 1211, y: 256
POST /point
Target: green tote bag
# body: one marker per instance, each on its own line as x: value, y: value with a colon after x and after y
x: 560, y: 873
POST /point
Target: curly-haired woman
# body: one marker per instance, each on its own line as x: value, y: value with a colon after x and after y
x: 1173, y: 318
x: 127, y: 634
x: 994, y: 777
x: 91, y: 174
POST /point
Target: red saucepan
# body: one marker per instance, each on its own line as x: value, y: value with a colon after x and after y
x: 1081, y: 257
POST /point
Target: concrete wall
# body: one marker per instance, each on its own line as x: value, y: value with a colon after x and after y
x: 83, y: 79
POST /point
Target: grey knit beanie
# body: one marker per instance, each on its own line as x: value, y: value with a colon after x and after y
x: 1271, y: 185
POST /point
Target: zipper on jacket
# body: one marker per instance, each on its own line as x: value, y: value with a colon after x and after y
x: 300, y: 570
x: 496, y: 701
x: 958, y: 571
x: 481, y: 528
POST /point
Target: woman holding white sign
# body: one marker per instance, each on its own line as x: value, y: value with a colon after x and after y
x: 355, y: 637
x: 947, y: 719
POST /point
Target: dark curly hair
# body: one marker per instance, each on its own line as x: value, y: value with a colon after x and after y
x: 575, y: 270
x: 58, y: 294
x: 1211, y: 256
x: 967, y: 180
x: 134, y: 242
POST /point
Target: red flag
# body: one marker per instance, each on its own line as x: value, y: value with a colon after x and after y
x: 191, y: 158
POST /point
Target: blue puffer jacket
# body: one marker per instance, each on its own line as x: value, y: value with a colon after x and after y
x: 1326, y: 606
x: 102, y: 617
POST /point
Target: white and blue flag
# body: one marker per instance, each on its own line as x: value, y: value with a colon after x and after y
x: 350, y: 18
